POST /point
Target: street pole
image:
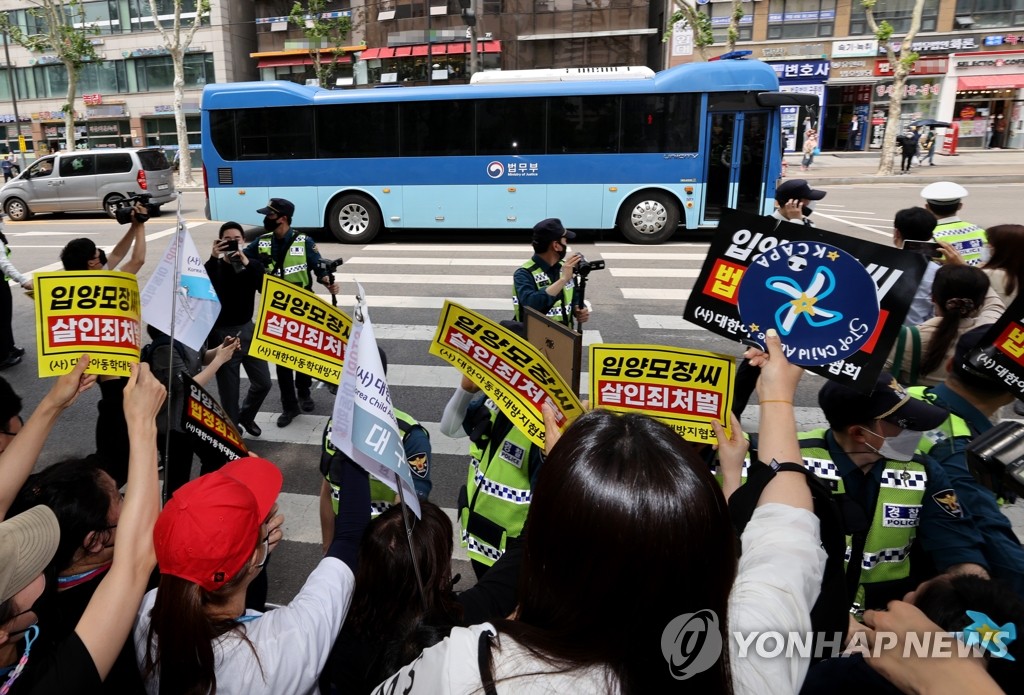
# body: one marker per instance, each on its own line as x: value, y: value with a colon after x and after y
x: 474, y: 55
x: 14, y: 101
x: 430, y: 58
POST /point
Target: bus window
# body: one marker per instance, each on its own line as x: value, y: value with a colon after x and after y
x: 357, y: 130
x: 659, y: 123
x: 437, y: 128
x: 277, y: 133
x: 510, y: 126
x: 583, y: 125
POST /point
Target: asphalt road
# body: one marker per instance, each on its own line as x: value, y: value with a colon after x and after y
x: 407, y: 276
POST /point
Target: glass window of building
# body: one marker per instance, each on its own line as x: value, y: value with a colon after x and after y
x: 801, y: 19
x: 107, y: 77
x: 983, y: 14
x: 162, y: 131
x: 897, y: 13
x: 142, y: 16
x: 157, y: 73
x: 720, y: 12
x: 102, y: 16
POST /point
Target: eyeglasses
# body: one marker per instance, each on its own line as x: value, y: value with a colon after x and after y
x: 21, y: 423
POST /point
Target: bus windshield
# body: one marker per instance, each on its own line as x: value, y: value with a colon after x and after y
x: 626, y: 149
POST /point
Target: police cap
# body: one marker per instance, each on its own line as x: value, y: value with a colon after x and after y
x: 943, y: 193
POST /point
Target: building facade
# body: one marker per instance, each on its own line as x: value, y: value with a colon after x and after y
x: 414, y: 42
x: 970, y: 72
x: 125, y: 99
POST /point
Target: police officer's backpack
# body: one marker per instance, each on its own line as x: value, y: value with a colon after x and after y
x: 830, y: 613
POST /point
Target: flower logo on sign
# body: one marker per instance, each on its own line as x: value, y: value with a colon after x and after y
x: 804, y: 302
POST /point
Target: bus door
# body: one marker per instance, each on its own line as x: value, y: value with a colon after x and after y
x: 735, y: 164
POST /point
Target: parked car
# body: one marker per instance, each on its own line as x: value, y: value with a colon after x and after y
x: 88, y: 180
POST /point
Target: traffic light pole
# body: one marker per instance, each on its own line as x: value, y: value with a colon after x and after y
x: 14, y: 103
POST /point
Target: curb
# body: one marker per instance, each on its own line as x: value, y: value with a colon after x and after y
x: 964, y: 179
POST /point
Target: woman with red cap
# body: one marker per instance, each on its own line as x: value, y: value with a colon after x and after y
x: 194, y: 634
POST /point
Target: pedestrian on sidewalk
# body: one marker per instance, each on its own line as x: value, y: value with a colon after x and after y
x: 810, y: 149
x: 908, y: 146
x: 927, y: 145
x: 851, y: 137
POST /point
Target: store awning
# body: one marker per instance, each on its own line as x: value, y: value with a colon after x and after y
x: 990, y: 82
x: 288, y: 61
x: 436, y: 49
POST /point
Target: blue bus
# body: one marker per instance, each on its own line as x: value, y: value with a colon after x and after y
x: 600, y: 148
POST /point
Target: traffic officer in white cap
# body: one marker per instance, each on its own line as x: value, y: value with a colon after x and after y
x: 942, y: 199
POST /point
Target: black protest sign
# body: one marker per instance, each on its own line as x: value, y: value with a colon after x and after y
x: 742, y: 237
x: 1000, y: 355
x: 204, y: 419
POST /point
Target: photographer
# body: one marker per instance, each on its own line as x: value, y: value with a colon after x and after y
x: 545, y: 282
x: 82, y: 254
x: 237, y: 279
x: 291, y: 255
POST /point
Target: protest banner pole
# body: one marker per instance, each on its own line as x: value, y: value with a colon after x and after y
x: 170, y: 353
x: 408, y: 537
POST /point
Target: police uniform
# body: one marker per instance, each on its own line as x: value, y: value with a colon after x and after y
x: 967, y: 238
x: 503, y: 465
x: 531, y: 279
x: 947, y: 446
x: 416, y: 442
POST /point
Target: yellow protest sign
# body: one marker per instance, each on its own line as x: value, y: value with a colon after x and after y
x: 298, y: 330
x: 508, y: 369
x: 685, y: 389
x: 94, y: 312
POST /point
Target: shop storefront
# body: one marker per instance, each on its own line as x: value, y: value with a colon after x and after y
x: 920, y: 100
x: 848, y: 94
x: 410, y: 64
x: 161, y: 130
x: 802, y: 77
x: 9, y: 134
x: 984, y: 94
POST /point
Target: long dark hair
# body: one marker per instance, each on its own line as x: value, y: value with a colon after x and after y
x: 387, y: 611
x: 958, y: 291
x: 1007, y: 241
x: 74, y: 490
x: 185, y: 633
x: 627, y: 530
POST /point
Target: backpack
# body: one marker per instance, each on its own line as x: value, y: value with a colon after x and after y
x: 831, y: 612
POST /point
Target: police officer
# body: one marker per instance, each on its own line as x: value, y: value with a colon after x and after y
x: 972, y: 397
x: 943, y: 199
x: 545, y: 282
x: 903, y: 519
x: 291, y: 255
x: 795, y: 201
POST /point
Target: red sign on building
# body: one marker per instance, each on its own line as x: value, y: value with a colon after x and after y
x: 924, y: 66
x: 92, y: 99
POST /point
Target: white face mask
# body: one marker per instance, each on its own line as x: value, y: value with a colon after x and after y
x: 812, y: 204
x: 986, y: 253
x: 898, y: 448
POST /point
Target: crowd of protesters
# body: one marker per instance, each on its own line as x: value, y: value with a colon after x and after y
x: 620, y: 528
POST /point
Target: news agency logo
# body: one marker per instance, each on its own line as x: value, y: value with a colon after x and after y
x: 691, y: 643
x: 495, y: 170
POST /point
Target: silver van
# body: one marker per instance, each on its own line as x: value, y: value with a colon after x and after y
x: 88, y: 180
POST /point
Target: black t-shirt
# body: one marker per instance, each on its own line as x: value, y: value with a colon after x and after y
x: 67, y: 670
x: 237, y: 291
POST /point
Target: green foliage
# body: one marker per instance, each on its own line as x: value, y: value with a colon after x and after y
x: 325, y: 35
x: 703, y: 36
x: 885, y: 31
x: 908, y: 59
x: 73, y: 46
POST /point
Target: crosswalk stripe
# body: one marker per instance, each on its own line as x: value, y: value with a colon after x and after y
x: 670, y: 322
x: 650, y: 256
x: 386, y: 301
x: 654, y: 272
x: 653, y: 293
x: 421, y: 279
x: 426, y: 332
x: 425, y: 261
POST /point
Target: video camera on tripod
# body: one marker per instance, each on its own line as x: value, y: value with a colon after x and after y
x: 996, y: 459
x: 126, y: 206
x: 325, y: 269
x: 581, y: 272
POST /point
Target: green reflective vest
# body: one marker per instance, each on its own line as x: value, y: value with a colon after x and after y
x: 966, y: 238
x: 952, y: 427
x: 296, y: 270
x: 381, y: 496
x: 886, y: 555
x: 561, y: 310
x: 497, y: 494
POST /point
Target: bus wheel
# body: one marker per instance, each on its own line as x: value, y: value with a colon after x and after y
x: 649, y: 217
x: 354, y: 219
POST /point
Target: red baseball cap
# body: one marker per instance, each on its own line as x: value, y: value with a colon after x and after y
x: 208, y: 530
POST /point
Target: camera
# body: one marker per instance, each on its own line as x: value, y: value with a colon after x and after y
x: 584, y: 267
x: 124, y: 209
x: 325, y: 267
x: 231, y: 253
x: 996, y: 459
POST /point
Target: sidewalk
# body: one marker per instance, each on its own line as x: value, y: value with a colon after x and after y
x: 969, y: 166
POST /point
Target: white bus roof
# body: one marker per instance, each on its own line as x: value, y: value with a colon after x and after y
x: 563, y: 75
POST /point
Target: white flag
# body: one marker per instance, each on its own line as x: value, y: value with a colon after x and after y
x: 364, y: 426
x: 196, y: 306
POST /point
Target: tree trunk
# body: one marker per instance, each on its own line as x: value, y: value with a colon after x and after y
x: 69, y: 107
x: 184, y: 153
x: 886, y: 164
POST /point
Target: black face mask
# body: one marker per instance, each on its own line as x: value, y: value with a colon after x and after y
x: 561, y: 254
x: 269, y: 224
